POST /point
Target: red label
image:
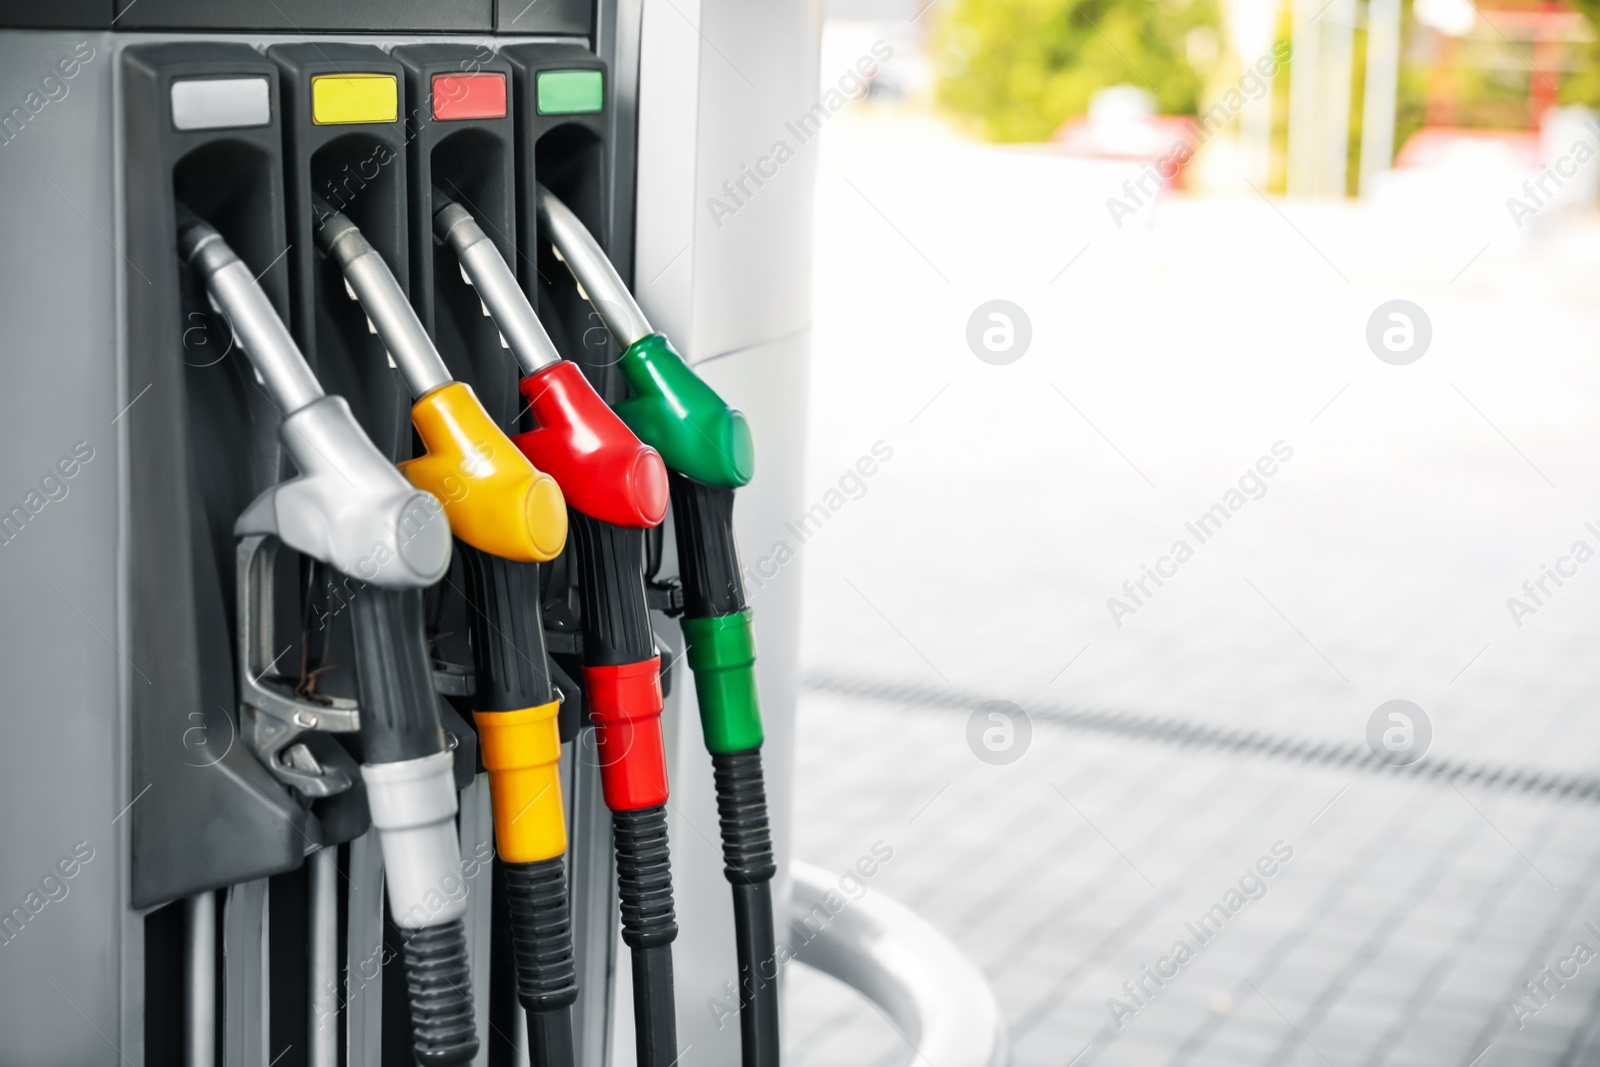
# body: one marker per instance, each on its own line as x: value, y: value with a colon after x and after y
x: 469, y: 96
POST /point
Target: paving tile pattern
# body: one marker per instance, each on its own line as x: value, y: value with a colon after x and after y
x: 1408, y: 917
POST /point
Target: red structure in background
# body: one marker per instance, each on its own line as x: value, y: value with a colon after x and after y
x: 1152, y: 139
x: 1546, y: 74
x: 1534, y: 33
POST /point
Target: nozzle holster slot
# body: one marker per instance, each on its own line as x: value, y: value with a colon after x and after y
x: 201, y: 445
x: 574, y: 155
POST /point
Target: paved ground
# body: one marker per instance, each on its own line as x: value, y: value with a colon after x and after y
x: 1404, y: 920
x: 1376, y: 564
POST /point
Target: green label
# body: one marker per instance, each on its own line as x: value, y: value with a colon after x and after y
x: 570, y: 92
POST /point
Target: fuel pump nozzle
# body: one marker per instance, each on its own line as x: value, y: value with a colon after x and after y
x: 616, y: 488
x: 709, y: 452
x: 350, y: 509
x: 604, y: 471
x: 510, y: 517
x: 671, y: 409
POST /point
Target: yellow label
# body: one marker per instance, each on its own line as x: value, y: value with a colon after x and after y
x: 344, y: 98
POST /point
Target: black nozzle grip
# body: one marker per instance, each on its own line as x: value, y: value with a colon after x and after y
x: 444, y: 1031
x: 649, y: 926
x: 616, y: 618
x: 508, y: 651
x: 749, y: 866
x: 708, y: 559
x: 741, y: 789
x: 399, y: 712
x: 541, y: 935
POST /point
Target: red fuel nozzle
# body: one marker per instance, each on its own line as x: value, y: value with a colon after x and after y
x: 602, y: 468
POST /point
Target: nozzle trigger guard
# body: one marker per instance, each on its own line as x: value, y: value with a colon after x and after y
x: 273, y: 721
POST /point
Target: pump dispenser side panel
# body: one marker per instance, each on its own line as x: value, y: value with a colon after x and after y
x: 202, y: 443
x: 63, y: 770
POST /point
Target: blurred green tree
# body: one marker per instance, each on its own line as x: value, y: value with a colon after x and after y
x: 1014, y: 70
x: 1583, y: 87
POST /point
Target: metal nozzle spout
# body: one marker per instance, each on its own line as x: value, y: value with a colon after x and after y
x: 237, y: 296
x: 374, y: 286
x: 496, y: 285
x: 598, y: 279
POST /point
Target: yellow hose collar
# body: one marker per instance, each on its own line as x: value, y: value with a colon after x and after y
x: 522, y: 750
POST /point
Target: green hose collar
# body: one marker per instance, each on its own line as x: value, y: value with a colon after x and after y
x: 673, y: 411
x: 722, y: 654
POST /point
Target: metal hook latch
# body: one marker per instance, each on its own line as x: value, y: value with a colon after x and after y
x: 272, y: 719
x: 453, y: 679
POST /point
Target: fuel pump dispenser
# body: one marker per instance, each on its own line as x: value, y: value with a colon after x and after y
x: 355, y: 623
x: 616, y: 489
x: 351, y: 509
x: 709, y: 453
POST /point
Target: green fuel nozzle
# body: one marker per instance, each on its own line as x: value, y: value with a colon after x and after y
x: 672, y: 409
x: 709, y: 452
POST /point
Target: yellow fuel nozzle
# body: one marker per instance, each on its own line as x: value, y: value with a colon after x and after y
x: 495, y: 499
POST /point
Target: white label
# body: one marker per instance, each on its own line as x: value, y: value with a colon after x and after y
x: 212, y: 103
